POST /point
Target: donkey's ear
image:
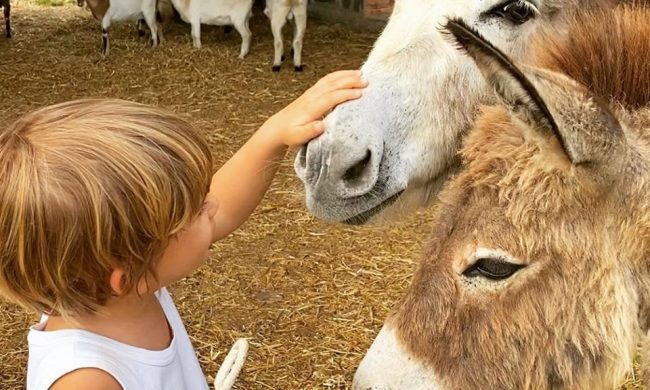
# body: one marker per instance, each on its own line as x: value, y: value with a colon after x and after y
x: 506, y: 78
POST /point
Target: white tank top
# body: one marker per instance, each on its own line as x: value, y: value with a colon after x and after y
x: 53, y: 354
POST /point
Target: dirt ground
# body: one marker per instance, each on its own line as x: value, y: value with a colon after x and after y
x: 309, y: 296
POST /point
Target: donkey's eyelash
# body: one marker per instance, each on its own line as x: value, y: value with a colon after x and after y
x: 495, y: 254
x: 502, y: 9
x: 531, y: 6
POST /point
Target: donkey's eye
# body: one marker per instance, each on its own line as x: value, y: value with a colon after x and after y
x: 494, y: 269
x: 515, y: 11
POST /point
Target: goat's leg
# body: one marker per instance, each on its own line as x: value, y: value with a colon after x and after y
x: 141, y: 31
x: 248, y: 31
x: 149, y: 14
x: 278, y: 19
x: 106, y: 24
x: 196, y: 34
x: 159, y: 23
x: 300, y: 18
x: 161, y: 38
x: 7, y: 7
x: 245, y: 32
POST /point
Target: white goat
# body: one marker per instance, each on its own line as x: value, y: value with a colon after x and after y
x: 219, y: 13
x: 279, y: 11
x: 120, y: 10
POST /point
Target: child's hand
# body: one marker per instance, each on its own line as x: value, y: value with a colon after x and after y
x: 241, y: 183
x: 301, y: 120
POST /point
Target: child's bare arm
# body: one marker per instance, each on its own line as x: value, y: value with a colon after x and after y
x: 86, y: 378
x: 241, y: 183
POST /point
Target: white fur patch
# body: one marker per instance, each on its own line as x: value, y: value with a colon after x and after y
x: 488, y: 253
x: 387, y: 366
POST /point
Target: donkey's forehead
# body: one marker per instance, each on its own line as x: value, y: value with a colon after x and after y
x: 468, y: 7
x: 499, y: 136
x: 519, y: 166
x: 417, y: 22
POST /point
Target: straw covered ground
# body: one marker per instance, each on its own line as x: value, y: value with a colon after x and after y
x: 309, y: 296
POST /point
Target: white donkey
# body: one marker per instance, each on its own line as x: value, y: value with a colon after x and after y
x: 537, y: 273
x: 401, y: 138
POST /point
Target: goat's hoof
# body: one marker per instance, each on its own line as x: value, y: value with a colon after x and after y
x: 298, y: 68
x: 8, y: 34
x: 276, y: 68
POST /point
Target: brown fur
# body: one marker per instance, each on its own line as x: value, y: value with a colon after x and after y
x: 550, y: 327
x: 98, y: 8
x: 571, y: 319
x: 607, y: 52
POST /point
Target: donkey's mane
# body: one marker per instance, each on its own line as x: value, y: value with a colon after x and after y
x: 607, y: 51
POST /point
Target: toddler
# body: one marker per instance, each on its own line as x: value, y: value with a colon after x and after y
x: 103, y: 204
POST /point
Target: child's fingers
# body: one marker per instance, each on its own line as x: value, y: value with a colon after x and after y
x: 339, y: 74
x: 306, y: 133
x: 334, y: 98
x: 354, y: 81
x: 314, y: 129
x: 335, y: 76
x: 322, y: 106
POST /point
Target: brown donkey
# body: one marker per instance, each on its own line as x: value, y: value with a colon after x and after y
x: 538, y: 271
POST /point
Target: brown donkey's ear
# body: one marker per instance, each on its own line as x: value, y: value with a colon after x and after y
x: 526, y: 101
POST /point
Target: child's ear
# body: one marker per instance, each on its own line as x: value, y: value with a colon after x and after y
x: 116, y: 281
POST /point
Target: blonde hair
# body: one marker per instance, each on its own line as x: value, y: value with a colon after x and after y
x: 89, y: 185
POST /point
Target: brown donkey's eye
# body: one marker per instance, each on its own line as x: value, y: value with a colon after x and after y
x: 494, y: 269
x: 515, y: 11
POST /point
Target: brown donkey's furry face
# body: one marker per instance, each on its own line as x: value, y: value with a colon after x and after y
x: 531, y: 279
x: 567, y: 318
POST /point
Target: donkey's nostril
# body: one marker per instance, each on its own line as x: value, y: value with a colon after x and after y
x: 356, y: 173
x: 308, y: 163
